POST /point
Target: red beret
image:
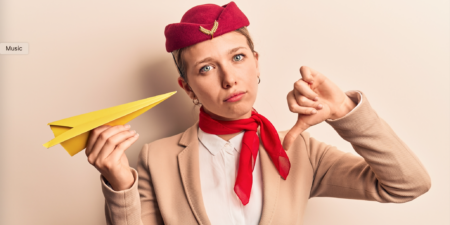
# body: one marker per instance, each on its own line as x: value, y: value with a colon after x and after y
x: 204, y: 22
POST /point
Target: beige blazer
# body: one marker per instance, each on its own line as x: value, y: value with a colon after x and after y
x: 167, y: 188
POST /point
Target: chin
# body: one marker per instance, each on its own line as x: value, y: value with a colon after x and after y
x: 238, y: 110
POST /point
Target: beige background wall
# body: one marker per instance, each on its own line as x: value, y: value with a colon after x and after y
x: 89, y: 55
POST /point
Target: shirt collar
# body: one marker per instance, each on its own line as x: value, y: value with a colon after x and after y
x: 215, y: 143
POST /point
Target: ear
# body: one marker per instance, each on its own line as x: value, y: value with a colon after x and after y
x: 256, y: 55
x: 180, y: 82
x: 184, y: 85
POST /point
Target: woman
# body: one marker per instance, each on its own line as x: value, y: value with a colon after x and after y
x: 231, y: 167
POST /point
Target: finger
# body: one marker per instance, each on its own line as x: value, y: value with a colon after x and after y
x: 93, y: 135
x: 307, y: 74
x: 296, y: 108
x: 290, y: 137
x: 120, y: 149
x: 113, y: 142
x: 102, y: 138
x: 306, y: 102
x: 304, y: 89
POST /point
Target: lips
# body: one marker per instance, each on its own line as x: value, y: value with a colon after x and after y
x: 234, y: 94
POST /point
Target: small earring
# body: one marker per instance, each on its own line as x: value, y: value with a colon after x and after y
x: 259, y: 80
x: 196, y: 102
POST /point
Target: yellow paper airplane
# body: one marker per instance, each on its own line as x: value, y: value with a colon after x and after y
x: 72, y: 133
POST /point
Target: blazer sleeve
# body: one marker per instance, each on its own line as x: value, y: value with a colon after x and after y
x: 136, y: 205
x: 388, y: 170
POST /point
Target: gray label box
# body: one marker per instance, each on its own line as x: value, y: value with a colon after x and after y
x: 14, y: 48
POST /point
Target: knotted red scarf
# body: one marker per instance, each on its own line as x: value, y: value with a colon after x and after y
x: 250, y: 146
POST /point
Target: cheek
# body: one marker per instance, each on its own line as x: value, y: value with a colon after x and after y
x: 208, y: 90
x: 251, y: 81
x: 251, y: 76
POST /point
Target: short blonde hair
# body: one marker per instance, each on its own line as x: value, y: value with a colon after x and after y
x: 181, y: 64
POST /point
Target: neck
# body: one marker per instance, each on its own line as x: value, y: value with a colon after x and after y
x: 217, y: 117
x: 227, y: 137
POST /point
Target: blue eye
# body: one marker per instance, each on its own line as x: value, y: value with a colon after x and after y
x: 205, y: 68
x: 238, y: 57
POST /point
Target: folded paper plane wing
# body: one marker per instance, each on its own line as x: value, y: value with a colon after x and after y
x: 72, y: 133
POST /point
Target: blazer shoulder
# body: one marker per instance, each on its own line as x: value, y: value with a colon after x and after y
x: 164, y: 147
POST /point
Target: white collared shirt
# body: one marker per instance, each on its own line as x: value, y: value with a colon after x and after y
x: 219, y: 160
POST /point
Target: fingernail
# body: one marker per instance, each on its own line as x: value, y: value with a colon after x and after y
x: 133, y: 131
x: 320, y: 105
x: 136, y: 135
x: 127, y: 126
x: 316, y: 98
x: 313, y: 111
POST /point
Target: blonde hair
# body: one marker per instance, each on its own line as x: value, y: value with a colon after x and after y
x: 181, y: 64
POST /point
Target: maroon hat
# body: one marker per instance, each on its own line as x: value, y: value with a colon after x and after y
x: 204, y: 22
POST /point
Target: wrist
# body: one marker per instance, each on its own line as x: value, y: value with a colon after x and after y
x: 123, y: 184
x: 344, y: 109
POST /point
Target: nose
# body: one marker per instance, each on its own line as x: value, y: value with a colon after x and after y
x: 228, y: 78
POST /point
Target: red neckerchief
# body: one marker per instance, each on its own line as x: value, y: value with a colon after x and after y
x: 250, y: 146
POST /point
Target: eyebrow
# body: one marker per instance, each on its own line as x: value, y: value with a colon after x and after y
x: 234, y: 50
x: 209, y: 59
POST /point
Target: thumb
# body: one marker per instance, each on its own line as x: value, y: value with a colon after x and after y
x: 292, y: 134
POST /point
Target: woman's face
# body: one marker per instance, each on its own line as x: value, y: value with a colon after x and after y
x: 219, y: 68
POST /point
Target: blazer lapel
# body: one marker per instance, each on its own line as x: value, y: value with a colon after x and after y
x: 188, y: 162
x: 271, y: 185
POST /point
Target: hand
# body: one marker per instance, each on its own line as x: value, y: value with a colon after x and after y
x: 315, y: 98
x: 105, y: 150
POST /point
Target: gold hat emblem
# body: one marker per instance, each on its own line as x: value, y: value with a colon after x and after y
x: 210, y: 32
